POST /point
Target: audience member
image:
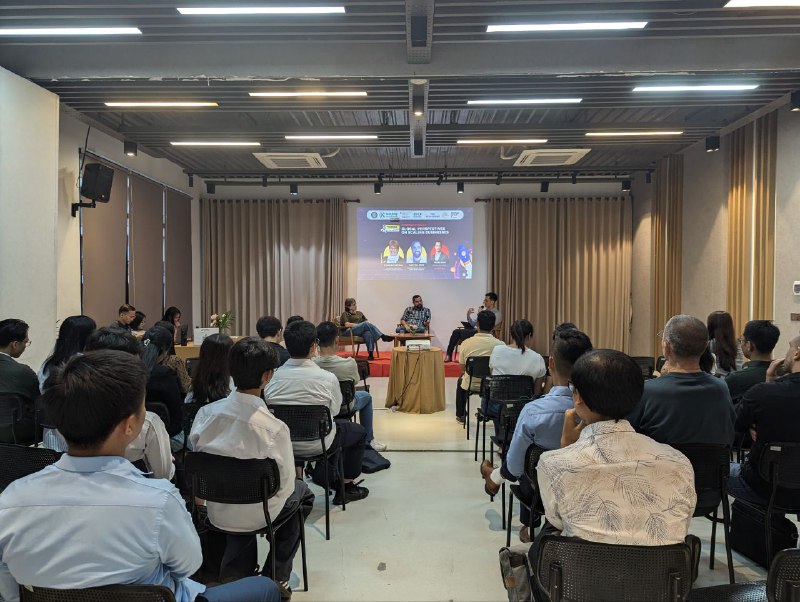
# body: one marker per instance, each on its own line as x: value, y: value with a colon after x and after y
x: 757, y: 342
x: 294, y: 319
x: 480, y: 345
x: 722, y: 343
x: 416, y: 318
x: 17, y: 379
x: 540, y: 422
x: 71, y: 339
x: 345, y: 368
x: 180, y: 332
x: 769, y: 412
x: 469, y: 330
x: 163, y: 386
x: 49, y: 521
x: 126, y: 315
x: 356, y: 322
x: 172, y: 361
x: 269, y: 328
x: 301, y: 381
x: 241, y: 426
x: 138, y: 323
x: 548, y: 379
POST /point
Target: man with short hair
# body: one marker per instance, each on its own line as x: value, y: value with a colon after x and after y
x: 345, y: 368
x: 462, y: 334
x: 18, y: 380
x: 480, y: 345
x: 356, y: 323
x: 241, y: 426
x: 416, y: 318
x: 301, y: 381
x: 126, y: 315
x: 269, y: 328
x: 757, y: 342
x: 49, y: 521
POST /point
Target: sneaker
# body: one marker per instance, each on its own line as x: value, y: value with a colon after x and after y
x: 377, y: 445
x: 352, y: 493
x: 386, y: 338
x: 284, y: 589
x: 461, y: 419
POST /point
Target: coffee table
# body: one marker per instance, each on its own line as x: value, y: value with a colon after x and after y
x: 400, y: 339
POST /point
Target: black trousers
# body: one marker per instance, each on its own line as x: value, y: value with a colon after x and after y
x: 352, y: 439
x: 458, y: 335
x: 461, y: 398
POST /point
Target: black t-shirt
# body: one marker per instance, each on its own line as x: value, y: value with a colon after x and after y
x: 752, y: 373
x: 283, y: 354
x: 163, y: 387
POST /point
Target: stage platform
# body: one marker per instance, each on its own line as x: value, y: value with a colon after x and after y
x: 380, y: 367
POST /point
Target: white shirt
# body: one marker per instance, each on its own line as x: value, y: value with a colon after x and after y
x: 509, y: 360
x: 241, y: 426
x: 301, y: 381
x: 616, y: 486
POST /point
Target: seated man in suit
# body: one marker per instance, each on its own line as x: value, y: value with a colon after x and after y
x: 480, y: 345
x: 126, y: 315
x: 269, y: 328
x: 416, y: 318
x: 757, y: 341
x: 462, y: 334
x: 17, y: 379
x: 50, y: 520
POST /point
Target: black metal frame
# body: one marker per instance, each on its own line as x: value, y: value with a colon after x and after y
x: 481, y: 371
x: 107, y: 593
x: 347, y: 410
x: 496, y: 390
x: 532, y: 455
x: 509, y: 413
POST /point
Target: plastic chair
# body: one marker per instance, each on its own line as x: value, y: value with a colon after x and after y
x: 108, y: 593
x: 15, y: 417
x: 348, y: 388
x: 227, y: 480
x: 782, y: 584
x: 569, y: 568
x: 476, y: 367
x: 17, y: 461
x: 532, y: 455
x: 500, y: 389
x: 160, y: 409
x: 646, y: 363
x: 509, y: 413
x: 313, y: 423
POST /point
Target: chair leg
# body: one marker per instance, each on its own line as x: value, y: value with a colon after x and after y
x: 327, y: 500
x: 726, y: 528
x: 713, y: 539
x: 768, y: 531
x: 491, y: 450
x: 272, y: 554
x: 503, y: 505
x: 483, y: 445
x: 477, y: 430
x: 466, y: 418
x: 509, y: 515
x: 303, y: 549
x: 341, y: 478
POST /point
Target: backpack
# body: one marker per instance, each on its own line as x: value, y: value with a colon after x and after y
x: 373, y: 461
x: 516, y: 572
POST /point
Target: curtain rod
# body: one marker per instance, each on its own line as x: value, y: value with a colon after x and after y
x: 133, y: 172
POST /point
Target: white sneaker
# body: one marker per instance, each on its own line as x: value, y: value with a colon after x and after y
x: 377, y: 445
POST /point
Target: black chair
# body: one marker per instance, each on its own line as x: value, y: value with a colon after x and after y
x: 532, y: 455
x: 782, y: 584
x: 711, y: 465
x: 17, y: 461
x: 475, y: 367
x: 348, y: 388
x: 646, y: 363
x: 500, y: 389
x: 227, y: 480
x: 160, y: 409
x: 108, y: 593
x: 363, y: 373
x: 313, y: 423
x: 191, y: 364
x: 17, y: 419
x: 569, y: 568
x: 188, y: 414
x: 509, y: 413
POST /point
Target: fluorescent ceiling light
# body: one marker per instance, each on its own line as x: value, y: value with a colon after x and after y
x: 504, y: 141
x: 763, y: 4
x: 209, y: 143
x: 700, y: 88
x: 525, y: 101
x: 69, y: 31
x: 262, y: 10
x: 649, y: 133
x: 597, y: 26
x: 161, y: 104
x: 333, y: 137
x: 311, y: 94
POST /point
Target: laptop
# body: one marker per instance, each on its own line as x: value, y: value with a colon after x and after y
x: 467, y: 324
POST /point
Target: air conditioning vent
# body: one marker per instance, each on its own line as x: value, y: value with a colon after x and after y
x: 291, y: 160
x: 550, y: 157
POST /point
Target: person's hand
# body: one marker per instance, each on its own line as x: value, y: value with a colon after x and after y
x: 753, y: 433
x: 572, y: 427
x: 775, y: 370
x: 471, y: 310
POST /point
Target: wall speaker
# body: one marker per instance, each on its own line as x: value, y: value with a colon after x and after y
x: 96, y: 182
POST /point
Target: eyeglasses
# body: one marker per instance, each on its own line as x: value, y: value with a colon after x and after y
x: 660, y: 334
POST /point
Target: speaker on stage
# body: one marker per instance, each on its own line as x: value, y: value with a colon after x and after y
x: 96, y: 182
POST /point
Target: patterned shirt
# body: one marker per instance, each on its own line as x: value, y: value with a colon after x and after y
x: 616, y: 486
x: 416, y: 317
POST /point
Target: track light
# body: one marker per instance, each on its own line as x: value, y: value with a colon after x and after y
x: 712, y: 144
x: 440, y: 179
x: 264, y: 181
x: 544, y: 187
x: 626, y: 185
x: 418, y: 101
x: 499, y: 178
x: 794, y: 101
x: 574, y: 177
x: 460, y: 187
x: 648, y: 177
x: 191, y: 180
x: 293, y: 189
x: 376, y: 187
x: 211, y: 188
x: 130, y: 148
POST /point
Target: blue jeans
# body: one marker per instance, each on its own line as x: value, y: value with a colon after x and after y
x: 739, y: 489
x: 367, y: 331
x: 363, y: 405
x: 249, y: 589
x: 419, y: 330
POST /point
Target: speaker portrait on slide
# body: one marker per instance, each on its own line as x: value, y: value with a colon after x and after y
x: 462, y: 268
x: 392, y: 254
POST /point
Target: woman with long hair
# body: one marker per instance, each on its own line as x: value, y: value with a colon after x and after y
x: 162, y: 386
x: 211, y: 380
x: 173, y: 316
x: 172, y: 361
x: 722, y: 342
x: 71, y: 340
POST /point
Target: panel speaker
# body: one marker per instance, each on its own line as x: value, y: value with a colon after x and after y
x: 96, y: 182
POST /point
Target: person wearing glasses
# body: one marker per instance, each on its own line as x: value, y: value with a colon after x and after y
x: 18, y: 380
x: 757, y: 342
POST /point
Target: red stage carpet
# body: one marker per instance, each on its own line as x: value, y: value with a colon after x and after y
x: 380, y: 367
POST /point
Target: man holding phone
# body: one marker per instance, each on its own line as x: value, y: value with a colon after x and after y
x: 469, y: 329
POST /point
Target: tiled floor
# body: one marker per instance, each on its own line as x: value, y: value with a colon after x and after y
x: 427, y: 531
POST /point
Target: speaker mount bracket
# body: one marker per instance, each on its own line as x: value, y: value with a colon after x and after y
x: 76, y: 206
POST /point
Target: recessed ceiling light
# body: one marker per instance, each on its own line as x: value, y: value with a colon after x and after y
x: 504, y: 141
x: 762, y: 3
x: 309, y: 94
x: 262, y: 10
x: 69, y: 31
x: 525, y: 101
x: 648, y: 133
x: 161, y: 104
x: 211, y: 143
x: 333, y: 137
x: 699, y: 88
x: 592, y: 26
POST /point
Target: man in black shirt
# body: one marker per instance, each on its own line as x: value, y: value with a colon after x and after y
x: 269, y: 328
x: 769, y: 411
x: 127, y: 314
x: 758, y: 340
x: 17, y: 380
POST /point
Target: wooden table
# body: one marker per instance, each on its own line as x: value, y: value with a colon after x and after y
x: 416, y: 380
x: 191, y: 351
x: 400, y: 339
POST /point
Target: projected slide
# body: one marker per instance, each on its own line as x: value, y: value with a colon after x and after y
x: 414, y: 244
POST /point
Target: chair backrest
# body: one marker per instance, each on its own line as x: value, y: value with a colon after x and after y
x: 363, y: 370
x: 17, y: 461
x: 568, y: 568
x: 783, y: 580
x: 160, y: 409
x: 532, y: 455
x: 477, y: 366
x: 10, y: 408
x: 509, y: 413
x: 109, y: 593
x: 188, y: 414
x: 191, y: 364
x: 305, y: 422
x: 646, y: 364
x: 510, y: 387
x: 348, y: 388
x: 711, y: 464
x: 780, y: 465
x: 228, y: 480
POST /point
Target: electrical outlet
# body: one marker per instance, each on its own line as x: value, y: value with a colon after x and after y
x: 795, y: 317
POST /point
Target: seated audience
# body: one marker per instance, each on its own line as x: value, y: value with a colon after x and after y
x: 769, y: 412
x: 301, y: 381
x: 541, y: 421
x: 163, y: 385
x: 50, y: 520
x: 480, y: 345
x: 356, y: 322
x: 548, y: 379
x: 127, y: 314
x: 172, y: 361
x: 138, y: 323
x: 294, y: 319
x: 416, y: 318
x: 17, y: 379
x: 462, y: 334
x: 345, y: 368
x: 269, y: 328
x: 241, y: 426
x: 722, y: 343
x: 71, y: 339
x: 757, y: 342
x: 180, y: 331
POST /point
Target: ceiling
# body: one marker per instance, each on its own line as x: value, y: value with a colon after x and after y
x: 369, y: 48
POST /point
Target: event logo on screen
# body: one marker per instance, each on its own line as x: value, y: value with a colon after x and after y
x: 414, y: 244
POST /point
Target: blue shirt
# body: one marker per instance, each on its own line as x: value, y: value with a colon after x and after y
x: 87, y: 522
x: 541, y: 422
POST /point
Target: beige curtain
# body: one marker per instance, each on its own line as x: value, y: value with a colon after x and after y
x: 739, y: 146
x: 558, y: 259
x: 667, y: 226
x: 765, y: 160
x: 273, y: 257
